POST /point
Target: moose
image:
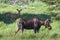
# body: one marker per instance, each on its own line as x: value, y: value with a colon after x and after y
x: 33, y: 23
x: 13, y: 16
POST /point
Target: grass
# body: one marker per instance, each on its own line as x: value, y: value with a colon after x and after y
x: 41, y: 10
x: 36, y: 7
x: 7, y: 33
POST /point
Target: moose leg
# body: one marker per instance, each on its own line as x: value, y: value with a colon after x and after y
x: 22, y: 29
x: 17, y: 31
x: 35, y: 30
x: 19, y: 27
x: 38, y: 28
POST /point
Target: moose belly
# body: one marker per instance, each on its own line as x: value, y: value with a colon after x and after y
x: 28, y: 27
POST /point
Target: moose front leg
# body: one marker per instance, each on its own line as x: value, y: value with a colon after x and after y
x: 38, y: 28
x: 35, y: 30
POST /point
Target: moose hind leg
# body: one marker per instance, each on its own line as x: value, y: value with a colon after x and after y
x: 17, y: 31
x: 22, y: 29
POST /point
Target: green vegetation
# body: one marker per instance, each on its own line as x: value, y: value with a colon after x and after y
x: 36, y: 9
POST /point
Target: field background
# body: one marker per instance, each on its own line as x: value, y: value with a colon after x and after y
x: 42, y: 9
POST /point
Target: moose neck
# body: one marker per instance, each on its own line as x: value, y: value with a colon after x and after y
x: 42, y: 22
x: 18, y: 13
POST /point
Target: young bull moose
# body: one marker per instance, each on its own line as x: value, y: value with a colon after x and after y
x: 13, y: 16
x: 34, y: 23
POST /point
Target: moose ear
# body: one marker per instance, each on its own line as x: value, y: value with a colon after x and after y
x: 17, y: 9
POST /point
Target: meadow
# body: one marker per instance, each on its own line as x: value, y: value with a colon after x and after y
x: 41, y: 10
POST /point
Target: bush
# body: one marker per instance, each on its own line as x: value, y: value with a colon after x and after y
x: 58, y: 17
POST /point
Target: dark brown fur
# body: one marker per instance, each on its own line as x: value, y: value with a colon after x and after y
x: 34, y: 23
x: 29, y: 24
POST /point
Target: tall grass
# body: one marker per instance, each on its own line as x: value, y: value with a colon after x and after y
x: 7, y: 30
x: 7, y: 33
